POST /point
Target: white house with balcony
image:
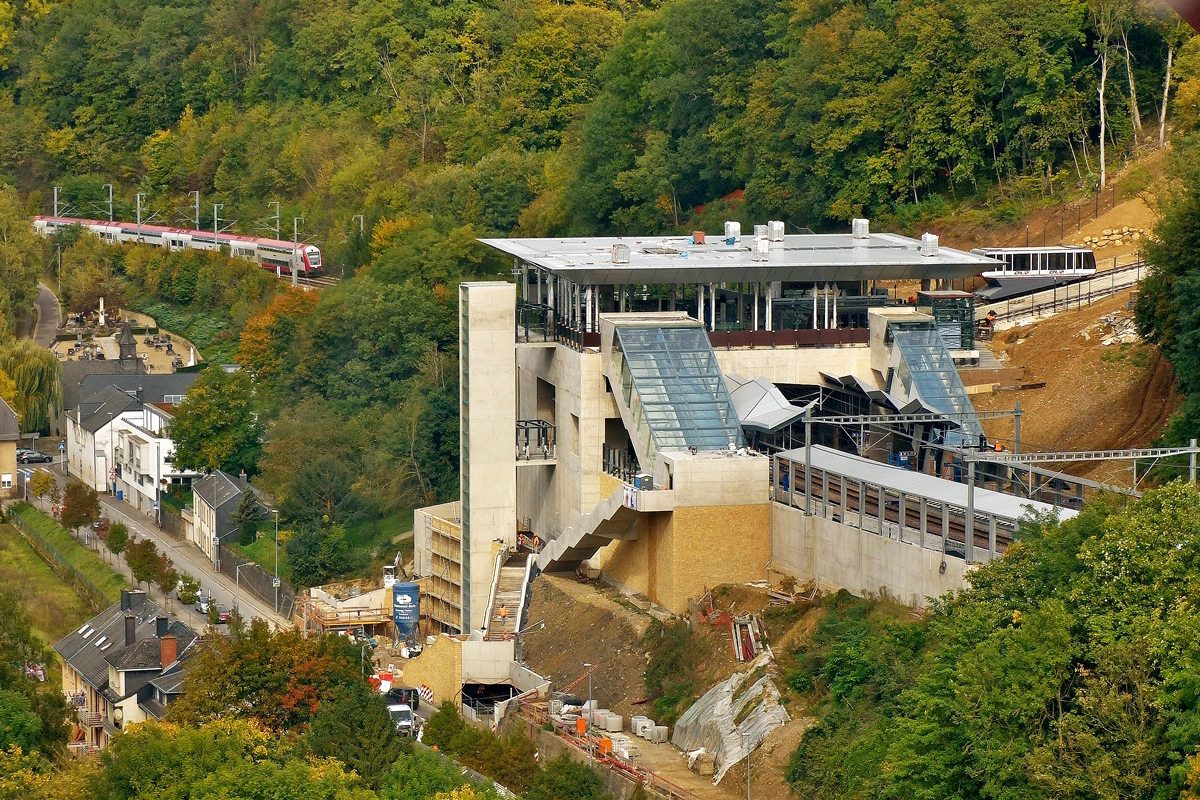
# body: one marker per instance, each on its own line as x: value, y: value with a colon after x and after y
x: 91, y: 435
x: 143, y: 458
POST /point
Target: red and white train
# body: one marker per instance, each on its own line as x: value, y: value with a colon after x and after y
x: 274, y: 254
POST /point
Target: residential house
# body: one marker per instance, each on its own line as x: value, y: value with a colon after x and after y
x: 111, y: 662
x: 10, y: 434
x: 215, y: 498
x: 91, y: 438
x: 169, y: 388
x: 143, y: 458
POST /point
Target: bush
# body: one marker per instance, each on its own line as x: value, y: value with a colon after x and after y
x: 566, y: 779
x: 247, y: 532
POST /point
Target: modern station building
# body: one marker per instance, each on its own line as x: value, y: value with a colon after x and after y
x: 624, y: 401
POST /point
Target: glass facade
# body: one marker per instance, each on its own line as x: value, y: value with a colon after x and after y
x: 673, y: 387
x: 927, y: 372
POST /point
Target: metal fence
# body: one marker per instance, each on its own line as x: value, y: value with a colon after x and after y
x: 257, y: 581
x: 92, y: 594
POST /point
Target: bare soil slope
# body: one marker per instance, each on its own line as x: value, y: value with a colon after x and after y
x: 1095, y: 397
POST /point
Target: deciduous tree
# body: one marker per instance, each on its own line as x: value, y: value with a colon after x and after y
x: 216, y: 426
x: 81, y: 505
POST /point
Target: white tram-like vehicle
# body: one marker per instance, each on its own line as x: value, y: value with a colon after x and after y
x: 273, y: 254
x: 1028, y: 269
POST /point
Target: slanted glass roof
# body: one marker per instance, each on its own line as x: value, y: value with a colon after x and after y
x: 674, y: 387
x: 927, y: 371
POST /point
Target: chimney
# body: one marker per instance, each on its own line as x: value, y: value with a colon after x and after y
x: 138, y: 394
x: 130, y: 629
x: 170, y: 650
x: 242, y: 480
x: 161, y: 625
x: 126, y: 600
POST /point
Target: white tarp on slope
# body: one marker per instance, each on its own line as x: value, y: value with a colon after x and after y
x: 709, y: 723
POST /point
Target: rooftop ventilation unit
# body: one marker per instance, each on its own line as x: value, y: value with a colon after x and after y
x: 620, y: 254
x: 775, y: 230
x: 762, y: 248
x: 733, y: 232
x: 860, y: 228
x: 929, y: 245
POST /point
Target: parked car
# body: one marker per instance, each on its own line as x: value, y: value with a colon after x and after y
x: 34, y: 457
x: 404, y: 695
x: 100, y: 523
x: 203, y: 602
x: 223, y: 613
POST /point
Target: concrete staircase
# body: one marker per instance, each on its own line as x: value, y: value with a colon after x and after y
x: 610, y: 519
x: 510, y: 590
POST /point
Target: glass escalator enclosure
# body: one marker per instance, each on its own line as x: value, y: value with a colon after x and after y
x: 675, y: 388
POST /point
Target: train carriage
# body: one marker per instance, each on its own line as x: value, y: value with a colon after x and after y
x: 273, y: 254
x: 1022, y: 270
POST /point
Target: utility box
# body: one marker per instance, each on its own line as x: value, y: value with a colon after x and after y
x: 644, y: 481
x: 953, y: 315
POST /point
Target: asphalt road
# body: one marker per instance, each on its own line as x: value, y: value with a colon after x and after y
x: 188, y: 558
x: 49, y: 316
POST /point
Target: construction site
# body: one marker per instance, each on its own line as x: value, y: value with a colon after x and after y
x: 707, y: 435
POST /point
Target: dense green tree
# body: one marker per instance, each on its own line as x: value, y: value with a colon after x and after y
x: 564, y: 777
x: 418, y: 774
x: 317, y: 555
x: 81, y: 505
x: 354, y: 726
x: 216, y: 427
x: 143, y: 560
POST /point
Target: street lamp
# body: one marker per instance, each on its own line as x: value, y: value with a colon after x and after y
x: 362, y: 657
x: 742, y: 740
x: 237, y: 580
x: 275, y: 511
x: 588, y: 714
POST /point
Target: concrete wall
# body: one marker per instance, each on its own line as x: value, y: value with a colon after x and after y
x: 487, y: 662
x: 554, y: 497
x: 836, y: 556
x: 797, y: 365
x: 440, y: 668
x: 488, y: 424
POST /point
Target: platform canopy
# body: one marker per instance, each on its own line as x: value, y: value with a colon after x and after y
x: 798, y: 258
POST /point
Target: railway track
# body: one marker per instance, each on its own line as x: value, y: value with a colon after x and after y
x: 310, y: 284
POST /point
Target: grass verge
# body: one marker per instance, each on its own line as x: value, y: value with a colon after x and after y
x: 88, y: 563
x: 53, y: 607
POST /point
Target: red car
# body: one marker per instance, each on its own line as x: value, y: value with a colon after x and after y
x: 223, y: 613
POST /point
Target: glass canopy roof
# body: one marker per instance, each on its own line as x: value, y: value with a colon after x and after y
x: 927, y: 372
x: 673, y: 386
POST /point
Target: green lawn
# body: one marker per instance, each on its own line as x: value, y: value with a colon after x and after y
x: 88, y: 562
x: 262, y: 552
x: 53, y: 607
x: 375, y: 538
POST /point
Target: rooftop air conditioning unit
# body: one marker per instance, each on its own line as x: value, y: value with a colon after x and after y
x: 762, y: 249
x: 929, y: 245
x: 775, y: 230
x: 733, y: 232
x: 861, y: 228
x: 620, y: 254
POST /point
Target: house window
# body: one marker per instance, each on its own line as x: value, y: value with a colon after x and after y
x: 6, y: 481
x: 173, y: 399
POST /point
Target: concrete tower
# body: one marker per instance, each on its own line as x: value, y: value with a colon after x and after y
x: 488, y: 425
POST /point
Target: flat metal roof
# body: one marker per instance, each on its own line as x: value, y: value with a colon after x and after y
x: 939, y: 490
x: 803, y: 258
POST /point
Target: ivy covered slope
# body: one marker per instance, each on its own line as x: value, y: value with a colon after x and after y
x: 1068, y: 669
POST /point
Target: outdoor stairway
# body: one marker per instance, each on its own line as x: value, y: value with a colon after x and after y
x: 611, y: 519
x: 510, y: 589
